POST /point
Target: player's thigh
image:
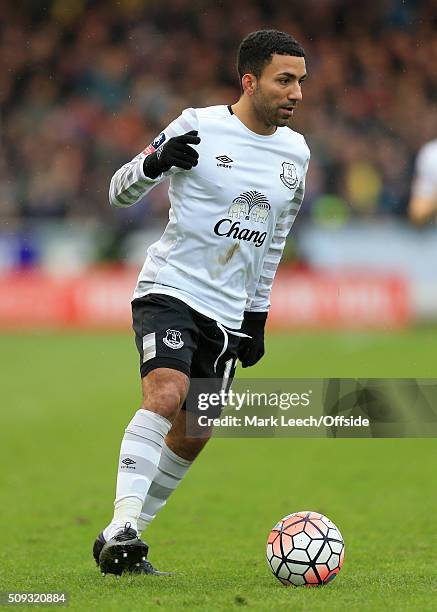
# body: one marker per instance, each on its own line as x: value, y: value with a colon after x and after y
x: 215, y: 357
x: 166, y: 338
x: 213, y: 365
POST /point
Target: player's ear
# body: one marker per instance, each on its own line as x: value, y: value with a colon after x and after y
x: 249, y: 84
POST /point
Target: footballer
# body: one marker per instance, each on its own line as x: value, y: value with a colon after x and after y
x: 237, y: 175
x: 422, y: 207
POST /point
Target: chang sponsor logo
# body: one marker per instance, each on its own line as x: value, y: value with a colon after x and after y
x: 250, y: 206
x: 233, y: 229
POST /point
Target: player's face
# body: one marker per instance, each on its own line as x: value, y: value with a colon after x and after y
x: 278, y: 90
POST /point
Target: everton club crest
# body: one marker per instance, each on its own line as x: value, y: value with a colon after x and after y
x: 289, y: 175
x: 173, y: 339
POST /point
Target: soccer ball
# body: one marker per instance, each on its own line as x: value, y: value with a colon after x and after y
x: 305, y: 548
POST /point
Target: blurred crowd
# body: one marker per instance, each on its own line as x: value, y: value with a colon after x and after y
x: 86, y: 85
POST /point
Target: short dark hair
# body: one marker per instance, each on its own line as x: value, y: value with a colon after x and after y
x: 257, y: 48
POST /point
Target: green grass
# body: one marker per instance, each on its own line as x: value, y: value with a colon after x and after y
x: 65, y: 400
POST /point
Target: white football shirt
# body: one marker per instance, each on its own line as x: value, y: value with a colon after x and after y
x: 229, y: 215
x: 425, y: 180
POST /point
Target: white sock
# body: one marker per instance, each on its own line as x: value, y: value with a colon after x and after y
x: 171, y: 470
x: 140, y: 453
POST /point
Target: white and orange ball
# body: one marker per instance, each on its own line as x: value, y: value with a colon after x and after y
x: 305, y: 548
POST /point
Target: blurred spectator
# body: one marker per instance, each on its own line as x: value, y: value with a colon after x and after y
x: 84, y: 86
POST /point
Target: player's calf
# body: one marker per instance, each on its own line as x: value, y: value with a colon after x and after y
x: 186, y: 438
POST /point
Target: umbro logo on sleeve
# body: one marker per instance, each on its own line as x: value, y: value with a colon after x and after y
x: 224, y: 161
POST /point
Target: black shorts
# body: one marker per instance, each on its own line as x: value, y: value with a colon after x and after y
x: 170, y: 334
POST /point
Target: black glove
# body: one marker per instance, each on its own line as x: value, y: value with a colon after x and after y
x: 176, y: 152
x: 250, y: 350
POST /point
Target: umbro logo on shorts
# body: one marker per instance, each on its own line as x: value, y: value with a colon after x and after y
x: 224, y: 161
x: 173, y: 339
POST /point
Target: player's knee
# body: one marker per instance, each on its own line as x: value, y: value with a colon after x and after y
x: 164, y: 391
x: 165, y: 402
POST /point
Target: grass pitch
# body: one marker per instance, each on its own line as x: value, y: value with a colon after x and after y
x: 65, y: 401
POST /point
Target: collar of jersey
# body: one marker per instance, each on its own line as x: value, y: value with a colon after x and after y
x: 254, y: 134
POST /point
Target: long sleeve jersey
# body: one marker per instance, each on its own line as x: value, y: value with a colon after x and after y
x: 229, y: 215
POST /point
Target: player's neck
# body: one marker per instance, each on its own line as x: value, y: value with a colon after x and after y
x: 246, y: 114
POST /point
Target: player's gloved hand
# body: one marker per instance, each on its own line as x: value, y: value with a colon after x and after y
x: 175, y: 152
x: 250, y: 350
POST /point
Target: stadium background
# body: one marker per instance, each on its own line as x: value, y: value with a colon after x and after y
x: 87, y: 85
x: 84, y: 86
